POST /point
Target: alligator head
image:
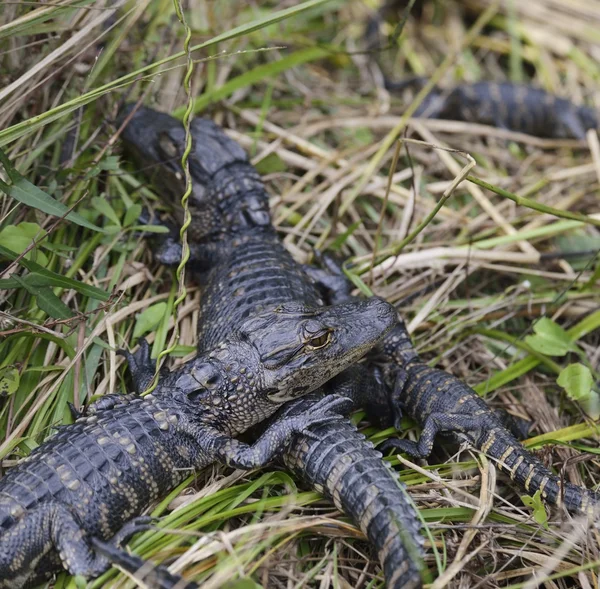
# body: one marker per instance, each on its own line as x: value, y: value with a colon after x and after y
x: 227, y: 193
x: 283, y: 354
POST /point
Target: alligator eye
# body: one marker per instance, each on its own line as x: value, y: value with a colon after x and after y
x: 320, y: 341
x: 167, y: 145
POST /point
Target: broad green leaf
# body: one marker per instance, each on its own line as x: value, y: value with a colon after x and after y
x: 103, y: 206
x: 59, y: 341
x: 132, y: 215
x: 10, y: 447
x: 109, y: 163
x: 30, y: 279
x: 588, y: 324
x: 270, y: 165
x: 151, y: 228
x: 180, y: 351
x: 47, y: 301
x: 9, y: 380
x: 149, y: 318
x: 59, y: 281
x: 19, y: 237
x: 539, y: 511
x: 29, y: 194
x: 577, y: 380
x: 550, y: 338
x: 112, y: 229
x: 578, y: 241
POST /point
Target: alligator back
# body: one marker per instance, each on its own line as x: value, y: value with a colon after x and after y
x: 517, y: 107
x: 228, y: 195
x: 124, y: 459
x: 506, y: 105
x: 251, y: 272
x: 90, y: 479
x: 260, y: 273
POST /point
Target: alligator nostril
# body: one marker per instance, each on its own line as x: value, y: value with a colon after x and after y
x: 385, y: 311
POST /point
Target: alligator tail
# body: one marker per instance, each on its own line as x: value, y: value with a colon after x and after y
x: 526, y: 470
x: 341, y: 464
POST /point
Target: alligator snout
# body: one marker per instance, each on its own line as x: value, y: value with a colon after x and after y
x: 382, y: 312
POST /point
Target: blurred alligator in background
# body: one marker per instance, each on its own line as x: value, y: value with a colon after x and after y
x: 506, y: 105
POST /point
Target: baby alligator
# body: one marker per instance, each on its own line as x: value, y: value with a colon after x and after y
x: 516, y: 107
x: 506, y: 105
x: 94, y: 477
x: 440, y: 402
x: 246, y: 269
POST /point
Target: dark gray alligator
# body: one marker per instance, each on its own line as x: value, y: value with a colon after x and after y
x: 440, y: 402
x: 244, y: 269
x: 88, y: 483
x: 506, y: 105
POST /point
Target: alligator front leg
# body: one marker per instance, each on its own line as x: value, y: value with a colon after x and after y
x: 141, y: 366
x: 54, y: 528
x: 275, y: 439
x: 167, y: 248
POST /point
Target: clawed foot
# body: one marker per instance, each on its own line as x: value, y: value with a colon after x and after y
x: 330, y: 408
x: 397, y: 446
x: 143, y: 523
x: 145, y: 572
x: 75, y: 413
x: 141, y: 366
x: 330, y: 279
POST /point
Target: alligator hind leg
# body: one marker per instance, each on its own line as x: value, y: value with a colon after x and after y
x: 435, y: 423
x: 52, y: 528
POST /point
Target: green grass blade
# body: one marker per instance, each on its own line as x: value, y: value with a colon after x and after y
x: 58, y: 280
x: 25, y: 127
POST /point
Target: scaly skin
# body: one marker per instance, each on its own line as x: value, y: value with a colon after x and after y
x: 92, y: 477
x: 516, y: 107
x: 440, y: 402
x: 247, y: 269
x: 345, y: 467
